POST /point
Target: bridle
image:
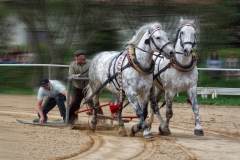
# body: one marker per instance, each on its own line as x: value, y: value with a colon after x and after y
x: 150, y: 37
x: 174, y: 62
x: 147, y: 41
x: 178, y: 36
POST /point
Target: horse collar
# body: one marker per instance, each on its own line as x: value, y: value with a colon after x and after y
x: 184, y: 68
x: 136, y: 65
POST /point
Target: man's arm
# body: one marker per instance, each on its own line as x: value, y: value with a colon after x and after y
x: 64, y: 92
x: 71, y: 72
x: 39, y: 108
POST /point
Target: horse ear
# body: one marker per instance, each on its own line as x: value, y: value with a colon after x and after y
x: 147, y: 41
x: 181, y: 18
x: 194, y: 20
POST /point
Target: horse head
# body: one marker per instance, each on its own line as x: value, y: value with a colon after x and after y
x: 186, y: 37
x: 154, y: 39
x: 158, y: 41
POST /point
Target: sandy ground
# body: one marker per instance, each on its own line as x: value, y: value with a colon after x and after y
x: 25, y: 141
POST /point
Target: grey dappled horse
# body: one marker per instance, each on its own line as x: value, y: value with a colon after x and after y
x: 181, y: 75
x: 129, y: 73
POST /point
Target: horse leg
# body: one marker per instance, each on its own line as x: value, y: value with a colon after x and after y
x: 192, y: 92
x: 142, y: 125
x: 164, y: 127
x: 121, y: 129
x: 155, y: 96
x: 150, y: 118
x: 95, y: 110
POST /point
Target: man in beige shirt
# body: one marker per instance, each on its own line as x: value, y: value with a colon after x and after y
x: 78, y: 68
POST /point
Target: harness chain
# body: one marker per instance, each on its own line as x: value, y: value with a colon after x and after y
x: 119, y: 67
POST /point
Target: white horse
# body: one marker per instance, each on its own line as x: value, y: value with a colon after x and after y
x: 177, y: 75
x: 129, y: 73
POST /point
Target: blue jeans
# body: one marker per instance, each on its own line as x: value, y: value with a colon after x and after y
x: 50, y: 103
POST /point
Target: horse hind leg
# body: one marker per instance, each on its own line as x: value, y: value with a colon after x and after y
x: 121, y: 129
x: 96, y: 104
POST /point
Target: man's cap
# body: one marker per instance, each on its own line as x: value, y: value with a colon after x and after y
x: 44, y: 82
x: 79, y: 52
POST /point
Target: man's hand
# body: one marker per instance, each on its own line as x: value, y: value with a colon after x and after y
x: 77, y: 75
x: 41, y: 120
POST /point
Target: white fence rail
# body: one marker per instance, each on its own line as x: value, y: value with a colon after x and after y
x: 203, y: 91
x: 39, y: 65
x: 214, y: 91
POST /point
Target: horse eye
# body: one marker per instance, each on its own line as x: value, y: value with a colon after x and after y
x: 158, y: 38
x: 181, y: 33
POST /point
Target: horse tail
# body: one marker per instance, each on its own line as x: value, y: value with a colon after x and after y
x: 87, y: 91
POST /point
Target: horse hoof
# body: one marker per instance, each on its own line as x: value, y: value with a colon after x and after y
x: 132, y: 133
x: 149, y: 127
x: 198, y: 132
x: 92, y: 127
x: 167, y: 131
x: 122, y: 133
x: 147, y: 134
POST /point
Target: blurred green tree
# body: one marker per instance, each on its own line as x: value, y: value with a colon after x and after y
x: 106, y: 25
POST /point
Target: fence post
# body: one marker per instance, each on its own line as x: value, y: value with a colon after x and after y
x: 68, y: 98
x: 49, y: 72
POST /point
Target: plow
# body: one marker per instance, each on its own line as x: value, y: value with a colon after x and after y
x: 113, y: 110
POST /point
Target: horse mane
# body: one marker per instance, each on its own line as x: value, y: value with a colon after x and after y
x: 139, y: 34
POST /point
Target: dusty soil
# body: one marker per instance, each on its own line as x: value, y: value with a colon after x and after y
x: 25, y: 141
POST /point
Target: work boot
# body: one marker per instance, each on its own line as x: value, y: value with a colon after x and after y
x: 73, y: 119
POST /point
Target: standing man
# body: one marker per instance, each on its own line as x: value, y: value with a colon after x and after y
x: 56, y: 93
x: 78, y: 68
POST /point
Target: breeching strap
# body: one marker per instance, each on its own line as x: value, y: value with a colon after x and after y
x: 105, y: 83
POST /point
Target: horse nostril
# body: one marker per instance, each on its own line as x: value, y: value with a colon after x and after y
x: 171, y: 53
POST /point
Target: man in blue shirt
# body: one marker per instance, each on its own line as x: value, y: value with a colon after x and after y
x: 56, y: 93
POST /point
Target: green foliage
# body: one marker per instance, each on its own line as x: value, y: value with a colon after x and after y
x: 16, y: 80
x: 221, y: 100
x: 105, y: 40
x: 98, y: 25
